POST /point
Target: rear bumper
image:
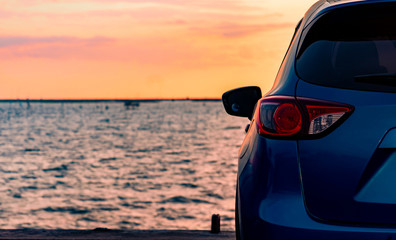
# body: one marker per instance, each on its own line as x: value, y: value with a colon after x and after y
x: 284, y: 216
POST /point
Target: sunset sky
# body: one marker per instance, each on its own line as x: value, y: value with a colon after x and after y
x: 57, y: 49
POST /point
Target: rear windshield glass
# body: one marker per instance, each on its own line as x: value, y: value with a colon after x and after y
x: 352, y: 47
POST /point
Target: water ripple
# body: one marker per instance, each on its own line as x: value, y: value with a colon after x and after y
x: 82, y: 166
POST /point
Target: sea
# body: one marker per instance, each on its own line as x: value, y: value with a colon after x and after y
x: 159, y: 165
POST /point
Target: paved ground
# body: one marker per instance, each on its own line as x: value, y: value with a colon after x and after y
x: 115, y: 234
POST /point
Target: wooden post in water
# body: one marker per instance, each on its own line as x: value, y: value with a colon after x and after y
x: 215, y: 228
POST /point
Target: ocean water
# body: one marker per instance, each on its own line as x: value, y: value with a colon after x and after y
x: 162, y: 165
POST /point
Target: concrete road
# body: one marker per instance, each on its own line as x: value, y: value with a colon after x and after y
x: 115, y: 234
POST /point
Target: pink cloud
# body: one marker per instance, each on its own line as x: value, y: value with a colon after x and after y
x: 50, y: 47
x: 8, y: 41
x: 141, y: 9
x: 151, y: 51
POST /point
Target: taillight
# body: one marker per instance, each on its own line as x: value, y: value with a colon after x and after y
x: 289, y: 117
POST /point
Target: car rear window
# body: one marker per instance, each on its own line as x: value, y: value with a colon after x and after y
x: 352, y: 47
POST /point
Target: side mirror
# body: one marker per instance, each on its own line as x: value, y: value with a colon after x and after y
x: 241, y: 101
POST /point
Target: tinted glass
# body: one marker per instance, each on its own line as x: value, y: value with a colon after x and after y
x: 352, y: 47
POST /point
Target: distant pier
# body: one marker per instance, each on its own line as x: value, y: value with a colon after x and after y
x: 131, y: 104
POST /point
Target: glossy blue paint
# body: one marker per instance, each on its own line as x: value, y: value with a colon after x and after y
x: 333, y: 167
x: 389, y: 140
x: 380, y: 189
x: 340, y: 186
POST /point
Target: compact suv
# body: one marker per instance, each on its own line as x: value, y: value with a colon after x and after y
x: 319, y: 158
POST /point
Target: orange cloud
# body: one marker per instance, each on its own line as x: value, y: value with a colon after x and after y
x: 139, y: 48
x: 234, y: 30
x: 154, y: 51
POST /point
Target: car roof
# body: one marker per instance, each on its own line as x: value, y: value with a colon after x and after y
x: 323, y: 6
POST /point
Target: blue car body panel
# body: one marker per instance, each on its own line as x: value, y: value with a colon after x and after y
x: 340, y: 186
x: 270, y: 189
x: 335, y: 168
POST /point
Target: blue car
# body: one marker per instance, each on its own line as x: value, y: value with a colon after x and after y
x: 319, y: 157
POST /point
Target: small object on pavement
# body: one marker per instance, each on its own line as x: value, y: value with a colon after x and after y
x: 215, y: 223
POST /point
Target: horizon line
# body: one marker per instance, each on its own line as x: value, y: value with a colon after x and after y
x: 107, y: 99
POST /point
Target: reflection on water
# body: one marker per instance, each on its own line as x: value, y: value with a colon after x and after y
x: 164, y: 165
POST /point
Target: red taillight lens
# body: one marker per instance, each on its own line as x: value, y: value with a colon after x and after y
x: 287, y: 119
x: 279, y: 116
x: 283, y: 116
